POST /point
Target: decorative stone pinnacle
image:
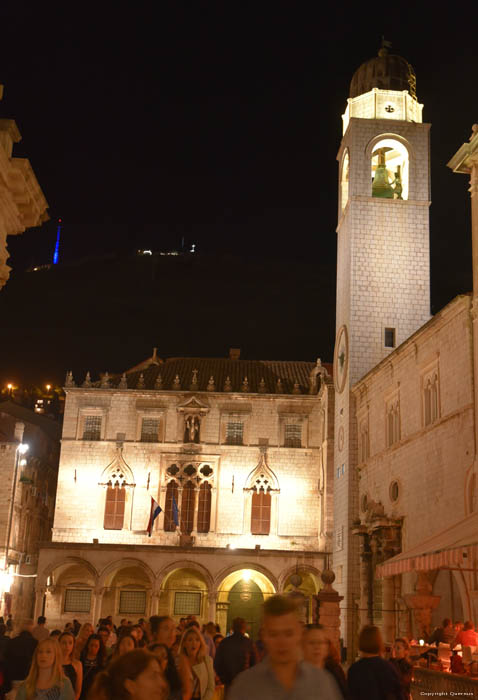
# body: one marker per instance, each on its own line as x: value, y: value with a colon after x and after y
x: 245, y: 385
x: 158, y: 384
x: 227, y: 384
x: 296, y: 389
x: 210, y: 385
x: 194, y: 383
x: 69, y: 381
x: 279, y: 387
x: 177, y: 382
x: 87, y: 382
x: 141, y: 384
x: 262, y: 386
x: 123, y: 384
x: 105, y: 381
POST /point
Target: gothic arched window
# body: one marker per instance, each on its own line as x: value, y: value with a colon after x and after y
x: 261, y: 512
x: 117, y: 490
x: 114, y: 507
x: 187, y: 508
x: 171, y: 497
x: 204, y: 507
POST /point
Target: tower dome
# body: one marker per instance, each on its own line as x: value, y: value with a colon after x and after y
x: 386, y: 72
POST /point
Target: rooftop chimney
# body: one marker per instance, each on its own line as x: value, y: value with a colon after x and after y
x: 234, y: 353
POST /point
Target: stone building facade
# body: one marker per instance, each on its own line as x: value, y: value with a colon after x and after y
x: 22, y: 203
x: 243, y: 450
x: 29, y: 456
x: 415, y: 416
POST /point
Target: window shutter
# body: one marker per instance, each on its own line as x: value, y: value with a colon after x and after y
x: 204, y: 508
x: 114, y: 508
x: 187, y: 508
x: 261, y: 513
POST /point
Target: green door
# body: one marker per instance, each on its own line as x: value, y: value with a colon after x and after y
x: 245, y: 600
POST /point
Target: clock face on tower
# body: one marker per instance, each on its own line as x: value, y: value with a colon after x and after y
x: 341, y: 358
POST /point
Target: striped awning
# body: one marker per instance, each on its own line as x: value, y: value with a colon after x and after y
x: 455, y: 547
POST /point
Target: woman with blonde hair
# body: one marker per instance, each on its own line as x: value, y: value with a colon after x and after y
x: 84, y: 634
x: 195, y: 667
x: 46, y: 679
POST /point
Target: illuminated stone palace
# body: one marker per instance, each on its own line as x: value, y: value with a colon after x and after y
x: 243, y: 449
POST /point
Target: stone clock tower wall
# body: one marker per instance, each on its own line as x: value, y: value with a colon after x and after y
x: 383, y: 271
x: 383, y: 277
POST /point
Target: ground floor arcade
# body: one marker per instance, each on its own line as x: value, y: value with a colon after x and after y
x: 87, y: 582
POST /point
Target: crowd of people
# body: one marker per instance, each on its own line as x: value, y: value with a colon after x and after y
x: 159, y: 659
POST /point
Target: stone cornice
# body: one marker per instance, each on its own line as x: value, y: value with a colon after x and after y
x: 466, y: 156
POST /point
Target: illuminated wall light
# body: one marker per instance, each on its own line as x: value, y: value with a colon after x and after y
x: 246, y: 575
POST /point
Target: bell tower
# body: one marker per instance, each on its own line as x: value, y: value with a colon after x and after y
x: 383, y: 270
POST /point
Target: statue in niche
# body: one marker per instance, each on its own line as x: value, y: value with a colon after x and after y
x: 191, y: 429
x: 316, y: 377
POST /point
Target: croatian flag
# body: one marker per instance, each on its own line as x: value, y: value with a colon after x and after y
x: 175, y: 512
x: 153, y: 514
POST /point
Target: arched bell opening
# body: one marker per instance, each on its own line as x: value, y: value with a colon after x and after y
x: 390, y: 169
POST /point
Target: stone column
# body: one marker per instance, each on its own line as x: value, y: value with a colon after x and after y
x: 155, y: 596
x: 98, y: 593
x: 366, y: 588
x: 212, y: 609
x: 221, y: 615
x: 422, y: 603
x: 328, y: 607
x: 39, y: 598
x: 465, y: 161
x: 388, y: 607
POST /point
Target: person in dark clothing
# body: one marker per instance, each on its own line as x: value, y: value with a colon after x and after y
x: 93, y: 660
x: 373, y: 678
x: 234, y: 654
x: 4, y: 641
x: 19, y: 654
x: 444, y: 634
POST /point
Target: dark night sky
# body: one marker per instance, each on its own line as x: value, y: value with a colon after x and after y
x: 220, y: 122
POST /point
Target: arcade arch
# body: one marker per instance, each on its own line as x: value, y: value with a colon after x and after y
x: 241, y: 593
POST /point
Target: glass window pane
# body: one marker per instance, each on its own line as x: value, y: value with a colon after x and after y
x: 293, y: 435
x: 234, y: 433
x: 132, y: 602
x: 150, y: 430
x: 187, y: 603
x: 92, y: 428
x: 77, y: 600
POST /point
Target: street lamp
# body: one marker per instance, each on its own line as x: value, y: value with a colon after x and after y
x: 48, y: 387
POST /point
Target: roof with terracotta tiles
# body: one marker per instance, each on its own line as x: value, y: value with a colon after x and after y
x: 195, y: 373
